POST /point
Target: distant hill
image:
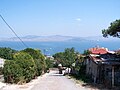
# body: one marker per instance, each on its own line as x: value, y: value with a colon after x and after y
x: 58, y: 38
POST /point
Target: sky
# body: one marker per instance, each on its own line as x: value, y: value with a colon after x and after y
x: 80, y: 18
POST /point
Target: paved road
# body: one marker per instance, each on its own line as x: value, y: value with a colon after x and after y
x: 55, y: 81
x: 49, y: 81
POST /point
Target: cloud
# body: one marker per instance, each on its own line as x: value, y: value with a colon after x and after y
x: 78, y: 19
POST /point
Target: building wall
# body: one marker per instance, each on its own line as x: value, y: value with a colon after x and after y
x: 102, y: 73
x: 108, y: 75
x: 92, y: 69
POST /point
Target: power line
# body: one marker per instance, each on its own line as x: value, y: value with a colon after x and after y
x: 13, y: 31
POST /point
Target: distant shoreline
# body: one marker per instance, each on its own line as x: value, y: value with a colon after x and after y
x: 54, y: 47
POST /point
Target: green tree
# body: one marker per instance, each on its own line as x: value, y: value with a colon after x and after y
x: 70, y: 56
x: 86, y: 52
x: 35, y: 53
x: 113, y: 29
x: 79, y: 63
x: 27, y: 64
x: 49, y: 63
x: 59, y: 57
x: 66, y: 58
x: 12, y: 72
x: 7, y: 53
x: 20, y: 69
x: 39, y: 60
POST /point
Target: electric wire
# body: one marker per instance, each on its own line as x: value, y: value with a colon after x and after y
x: 13, y: 31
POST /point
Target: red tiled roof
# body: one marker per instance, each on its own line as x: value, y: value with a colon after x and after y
x: 97, y: 50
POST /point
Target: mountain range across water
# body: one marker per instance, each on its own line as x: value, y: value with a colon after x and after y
x: 52, y: 44
x: 59, y: 38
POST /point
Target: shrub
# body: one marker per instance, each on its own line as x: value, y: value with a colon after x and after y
x: 35, y: 53
x: 40, y: 67
x: 27, y: 64
x: 7, y: 53
x: 20, y: 69
x: 49, y: 63
x: 39, y: 60
x: 12, y: 72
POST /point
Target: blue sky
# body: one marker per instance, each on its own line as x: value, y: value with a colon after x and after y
x: 58, y: 17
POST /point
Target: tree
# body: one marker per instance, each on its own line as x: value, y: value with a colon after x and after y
x: 39, y: 60
x: 49, y: 63
x: 59, y: 57
x: 12, y: 72
x: 66, y: 58
x: 19, y: 70
x: 113, y: 29
x: 35, y: 53
x: 86, y: 52
x: 24, y: 66
x: 78, y: 63
x: 7, y: 53
x: 70, y: 56
x: 27, y: 64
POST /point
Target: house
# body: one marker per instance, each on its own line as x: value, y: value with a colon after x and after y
x: 98, y: 50
x: 2, y: 62
x: 103, y: 67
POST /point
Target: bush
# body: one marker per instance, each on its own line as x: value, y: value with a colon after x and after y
x: 35, y: 53
x: 40, y: 67
x: 49, y: 63
x: 27, y: 64
x: 12, y: 72
x: 20, y: 69
x: 39, y: 60
x: 7, y: 53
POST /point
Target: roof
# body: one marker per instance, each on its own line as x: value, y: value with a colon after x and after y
x: 108, y: 59
x: 97, y: 50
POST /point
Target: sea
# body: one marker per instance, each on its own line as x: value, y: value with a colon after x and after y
x: 50, y: 48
